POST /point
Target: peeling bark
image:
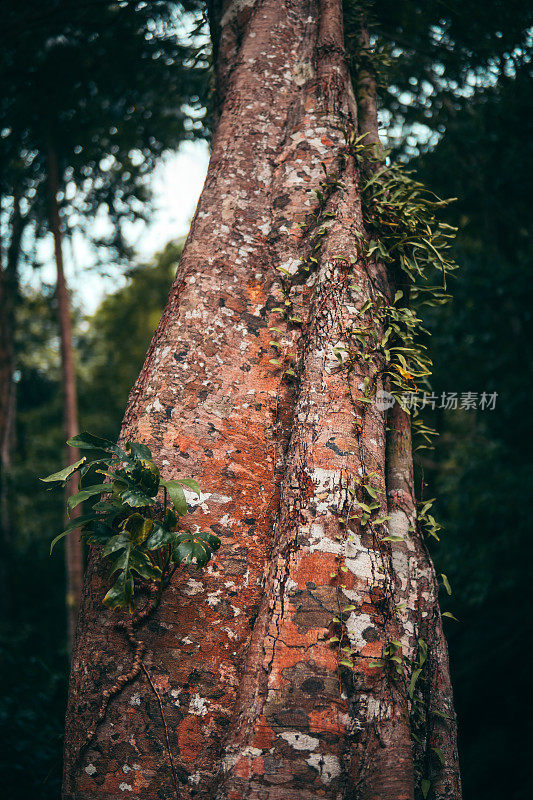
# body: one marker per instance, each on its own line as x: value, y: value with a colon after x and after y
x: 254, y: 700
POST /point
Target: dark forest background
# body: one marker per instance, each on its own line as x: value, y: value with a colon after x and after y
x: 456, y: 98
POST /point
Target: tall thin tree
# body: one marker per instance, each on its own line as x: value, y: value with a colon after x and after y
x: 73, y: 548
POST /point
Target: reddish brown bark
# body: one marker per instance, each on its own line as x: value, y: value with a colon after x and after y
x: 73, y: 545
x: 254, y: 700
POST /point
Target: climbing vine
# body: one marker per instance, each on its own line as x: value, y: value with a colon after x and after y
x: 402, y: 233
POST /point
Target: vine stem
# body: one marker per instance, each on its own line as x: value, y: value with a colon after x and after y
x: 165, y: 728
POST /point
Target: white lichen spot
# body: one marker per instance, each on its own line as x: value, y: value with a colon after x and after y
x: 192, y: 587
x: 300, y: 741
x: 303, y: 72
x: 198, y: 706
x: 135, y: 699
x: 125, y: 787
x: 90, y: 769
x: 155, y: 406
x: 377, y: 709
x: 175, y: 693
x: 328, y: 766
x: 319, y: 541
x: 193, y: 499
x: 213, y: 598
x: 356, y: 624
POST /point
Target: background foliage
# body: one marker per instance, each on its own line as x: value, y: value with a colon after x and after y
x: 456, y: 97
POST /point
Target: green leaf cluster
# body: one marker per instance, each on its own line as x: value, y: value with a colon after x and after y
x: 142, y: 538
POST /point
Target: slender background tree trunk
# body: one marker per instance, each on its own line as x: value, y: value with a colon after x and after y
x: 240, y: 678
x: 73, y: 545
x: 8, y: 299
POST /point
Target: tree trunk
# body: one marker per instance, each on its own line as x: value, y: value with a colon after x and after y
x: 73, y: 546
x: 417, y: 586
x: 241, y: 693
x: 8, y: 298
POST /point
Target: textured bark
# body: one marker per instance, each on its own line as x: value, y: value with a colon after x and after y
x: 240, y: 678
x: 73, y: 545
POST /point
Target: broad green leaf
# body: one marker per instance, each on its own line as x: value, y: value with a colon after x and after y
x: 145, y: 477
x: 140, y: 562
x: 425, y: 786
x: 137, y: 528
x: 120, y: 594
x: 412, y: 682
x: 86, y: 441
x: 122, y: 563
x: 171, y: 519
x: 160, y: 537
x: 111, y: 506
x: 450, y: 615
x: 135, y: 499
x: 78, y: 522
x: 446, y: 583
x: 99, y: 533
x: 191, y: 484
x: 139, y: 450
x: 423, y: 651
x: 84, y: 494
x: 119, y: 542
x: 192, y: 550
x: 212, y: 540
x: 177, y: 495
x: 195, y: 546
x: 64, y: 473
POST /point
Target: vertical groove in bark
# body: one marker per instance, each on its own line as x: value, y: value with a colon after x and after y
x: 254, y: 701
x: 378, y: 780
x: 73, y: 545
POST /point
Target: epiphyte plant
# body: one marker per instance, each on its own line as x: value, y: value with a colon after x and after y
x: 137, y: 519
